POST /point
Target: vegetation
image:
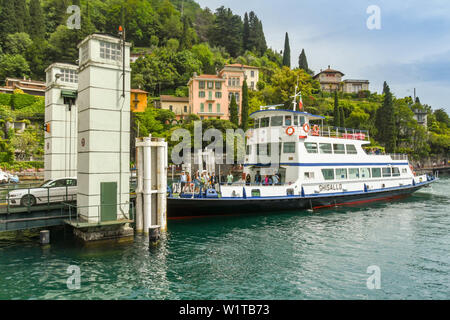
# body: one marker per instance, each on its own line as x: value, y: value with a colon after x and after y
x: 177, y: 38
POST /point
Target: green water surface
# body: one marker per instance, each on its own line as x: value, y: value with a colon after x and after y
x: 295, y: 255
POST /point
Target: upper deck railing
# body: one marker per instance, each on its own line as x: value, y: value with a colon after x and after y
x: 337, y: 132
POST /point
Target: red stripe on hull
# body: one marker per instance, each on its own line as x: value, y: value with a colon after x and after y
x: 360, y: 201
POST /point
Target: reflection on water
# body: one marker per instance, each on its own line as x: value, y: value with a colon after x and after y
x: 296, y: 255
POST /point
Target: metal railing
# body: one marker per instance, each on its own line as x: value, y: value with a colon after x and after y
x: 33, y: 197
x: 394, y: 156
x: 337, y: 132
x: 82, y: 218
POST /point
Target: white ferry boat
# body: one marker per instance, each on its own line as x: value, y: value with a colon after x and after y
x: 317, y: 167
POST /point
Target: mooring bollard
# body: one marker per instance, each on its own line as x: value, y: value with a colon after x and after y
x: 153, y: 233
x: 45, y: 237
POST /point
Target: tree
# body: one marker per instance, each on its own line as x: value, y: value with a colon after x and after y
x: 13, y: 66
x: 8, y: 20
x: 244, y: 108
x: 22, y: 15
x: 246, y: 34
x: 342, y: 117
x: 302, y: 61
x: 287, y: 52
x: 255, y: 40
x: 227, y: 31
x: 234, y: 112
x: 385, y: 121
x: 36, y: 27
x: 26, y: 143
x: 337, y: 113
x: 17, y: 43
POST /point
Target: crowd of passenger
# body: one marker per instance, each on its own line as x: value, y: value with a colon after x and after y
x: 204, y: 180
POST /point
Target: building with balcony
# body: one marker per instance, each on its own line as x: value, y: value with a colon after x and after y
x: 28, y: 86
x: 331, y: 80
x: 210, y: 94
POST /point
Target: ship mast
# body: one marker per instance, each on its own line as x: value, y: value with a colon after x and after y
x: 294, y: 101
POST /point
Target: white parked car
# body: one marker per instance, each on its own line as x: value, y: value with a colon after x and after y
x: 58, y: 190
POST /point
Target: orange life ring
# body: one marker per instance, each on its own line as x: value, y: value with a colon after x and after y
x: 306, y: 127
x: 290, y: 130
x: 315, y: 130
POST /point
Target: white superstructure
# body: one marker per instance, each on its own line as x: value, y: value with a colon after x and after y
x: 314, y: 160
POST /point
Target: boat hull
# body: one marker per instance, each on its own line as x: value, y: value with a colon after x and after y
x: 203, y: 207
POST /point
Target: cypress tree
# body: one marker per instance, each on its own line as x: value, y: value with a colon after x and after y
x: 246, y: 34
x: 337, y: 114
x: 8, y: 21
x: 244, y: 109
x: 287, y: 52
x: 302, y: 61
x: 380, y: 122
x: 22, y: 15
x: 390, y: 137
x: 36, y: 27
x: 385, y: 121
x: 342, y: 117
x: 234, y: 115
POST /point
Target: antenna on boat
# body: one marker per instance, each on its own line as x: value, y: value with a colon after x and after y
x: 294, y: 101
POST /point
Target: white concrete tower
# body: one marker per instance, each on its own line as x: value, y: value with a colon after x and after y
x: 61, y: 121
x: 103, y: 129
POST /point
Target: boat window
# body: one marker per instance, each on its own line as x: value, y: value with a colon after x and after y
x: 328, y: 174
x: 289, y: 147
x: 341, y: 174
x: 351, y: 149
x: 325, y: 147
x: 302, y: 120
x: 256, y: 123
x: 311, y: 147
x: 386, y: 172
x: 365, y: 173
x: 296, y: 120
x: 338, y: 148
x: 276, y: 121
x: 265, y: 122
x: 263, y: 149
x: 249, y: 149
x: 256, y: 193
x: 376, y: 172
x: 287, y: 120
x: 353, y: 173
x: 290, y: 192
x: 404, y: 170
x: 309, y: 175
x: 395, y: 172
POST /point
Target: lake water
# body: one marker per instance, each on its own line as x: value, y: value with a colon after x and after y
x: 296, y: 255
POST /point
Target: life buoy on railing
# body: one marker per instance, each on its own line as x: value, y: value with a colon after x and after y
x: 290, y: 130
x: 306, y: 127
x: 315, y: 130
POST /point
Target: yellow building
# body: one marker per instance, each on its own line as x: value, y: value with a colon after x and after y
x: 138, y: 99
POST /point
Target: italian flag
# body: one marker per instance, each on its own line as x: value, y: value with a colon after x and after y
x: 300, y: 103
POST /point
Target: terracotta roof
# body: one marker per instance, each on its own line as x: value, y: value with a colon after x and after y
x: 173, y: 98
x: 329, y: 70
x: 138, y: 91
x: 240, y: 66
